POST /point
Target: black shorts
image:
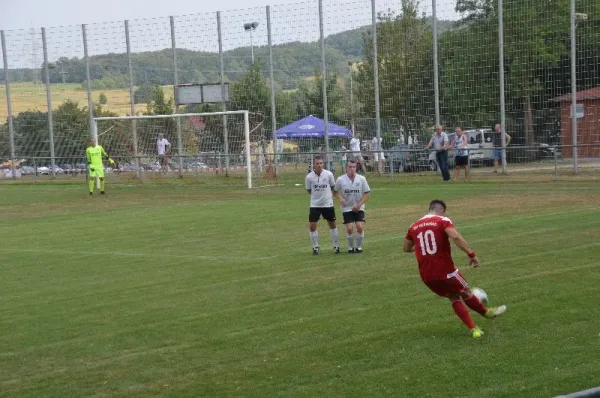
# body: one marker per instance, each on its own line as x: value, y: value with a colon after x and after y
x: 315, y: 213
x: 461, y: 160
x: 350, y: 216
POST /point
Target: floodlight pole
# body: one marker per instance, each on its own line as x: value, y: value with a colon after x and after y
x: 252, y: 47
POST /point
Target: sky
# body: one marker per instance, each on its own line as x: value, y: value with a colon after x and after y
x: 196, y: 27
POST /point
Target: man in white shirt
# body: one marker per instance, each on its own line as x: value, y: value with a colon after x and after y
x: 353, y: 191
x: 356, y: 155
x: 163, y: 148
x: 319, y: 184
x: 376, y: 149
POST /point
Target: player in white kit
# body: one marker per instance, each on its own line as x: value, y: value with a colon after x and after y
x: 353, y: 191
x: 319, y: 184
x: 163, y: 148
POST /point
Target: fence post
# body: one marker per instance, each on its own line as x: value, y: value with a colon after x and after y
x: 469, y: 164
x: 93, y: 132
x: 555, y: 165
x: 501, y: 74
x: 436, y: 87
x: 223, y: 105
x: 324, y: 84
x: 376, y: 86
x: 175, y: 83
x: 574, y: 91
x: 272, y: 82
x: 49, y: 101
x: 11, y: 129
x: 132, y: 102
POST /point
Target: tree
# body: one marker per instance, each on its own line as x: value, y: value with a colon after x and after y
x: 405, y: 69
x: 309, y: 98
x: 144, y: 94
x: 102, y: 100
x: 159, y: 105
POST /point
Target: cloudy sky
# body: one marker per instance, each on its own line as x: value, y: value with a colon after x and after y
x: 196, y: 26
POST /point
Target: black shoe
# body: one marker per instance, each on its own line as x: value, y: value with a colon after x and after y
x: 358, y: 250
x: 336, y: 250
x: 315, y: 251
x: 350, y: 251
x: 101, y: 192
x: 91, y: 193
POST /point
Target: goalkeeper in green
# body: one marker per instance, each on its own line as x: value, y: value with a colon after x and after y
x: 94, y: 154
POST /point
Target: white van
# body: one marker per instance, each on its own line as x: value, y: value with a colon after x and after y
x: 480, y: 145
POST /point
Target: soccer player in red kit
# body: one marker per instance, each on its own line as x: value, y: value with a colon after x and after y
x: 429, y: 237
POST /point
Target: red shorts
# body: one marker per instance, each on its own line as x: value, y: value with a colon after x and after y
x: 448, y: 287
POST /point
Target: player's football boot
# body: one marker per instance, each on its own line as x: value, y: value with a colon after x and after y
x: 476, y: 332
x: 495, y: 312
x: 316, y: 251
x: 336, y: 250
x: 351, y: 250
x: 358, y: 250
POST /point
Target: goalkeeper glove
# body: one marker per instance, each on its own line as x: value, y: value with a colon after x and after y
x: 111, y: 161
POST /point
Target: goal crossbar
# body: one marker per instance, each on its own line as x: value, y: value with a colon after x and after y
x: 245, y: 113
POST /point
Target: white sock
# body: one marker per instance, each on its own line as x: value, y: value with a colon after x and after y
x: 334, y: 237
x: 350, y: 241
x: 359, y: 238
x: 314, y: 236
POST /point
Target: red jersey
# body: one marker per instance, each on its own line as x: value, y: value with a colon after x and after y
x: 432, y: 247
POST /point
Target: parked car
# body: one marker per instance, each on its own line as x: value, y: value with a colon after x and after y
x: 407, y: 158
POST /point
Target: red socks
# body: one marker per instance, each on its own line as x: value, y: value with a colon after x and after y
x: 476, y: 305
x: 463, y: 313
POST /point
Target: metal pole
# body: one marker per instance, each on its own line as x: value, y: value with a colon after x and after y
x: 252, y: 47
x: 132, y: 102
x: 469, y: 164
x: 555, y: 165
x: 574, y: 91
x: 49, y: 101
x: 501, y: 74
x: 350, y: 64
x: 223, y: 104
x: 11, y: 129
x: 272, y: 82
x: 324, y: 83
x: 175, y: 83
x: 436, y: 86
x: 93, y: 132
x: 376, y: 84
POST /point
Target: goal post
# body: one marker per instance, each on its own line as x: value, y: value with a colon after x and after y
x: 199, y: 151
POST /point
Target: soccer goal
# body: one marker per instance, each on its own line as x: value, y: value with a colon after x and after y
x: 217, y: 148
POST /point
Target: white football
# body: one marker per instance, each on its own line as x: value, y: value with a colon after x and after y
x: 481, y: 295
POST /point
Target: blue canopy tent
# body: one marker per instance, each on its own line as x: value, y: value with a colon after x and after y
x: 311, y: 127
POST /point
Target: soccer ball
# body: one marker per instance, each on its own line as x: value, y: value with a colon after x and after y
x: 481, y: 295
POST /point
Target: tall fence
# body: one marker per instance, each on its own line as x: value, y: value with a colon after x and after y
x: 381, y: 69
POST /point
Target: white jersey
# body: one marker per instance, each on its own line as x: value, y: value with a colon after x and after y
x: 320, y: 188
x: 352, y: 191
x: 161, y: 144
x: 355, y: 145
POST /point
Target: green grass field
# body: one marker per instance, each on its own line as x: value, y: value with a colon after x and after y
x: 198, y: 291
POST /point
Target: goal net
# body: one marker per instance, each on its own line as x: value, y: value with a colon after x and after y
x: 216, y: 148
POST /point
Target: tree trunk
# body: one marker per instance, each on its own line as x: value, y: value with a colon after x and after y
x: 528, y: 123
